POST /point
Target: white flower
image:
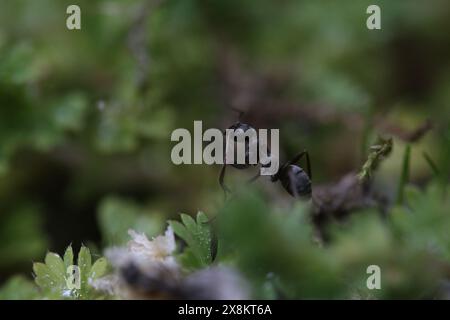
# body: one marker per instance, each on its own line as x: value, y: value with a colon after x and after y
x: 145, y: 254
x: 160, y: 248
x: 149, y: 256
x: 108, y: 284
x: 216, y: 283
x: 155, y: 274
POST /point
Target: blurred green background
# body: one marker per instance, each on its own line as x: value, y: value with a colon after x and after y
x: 86, y: 115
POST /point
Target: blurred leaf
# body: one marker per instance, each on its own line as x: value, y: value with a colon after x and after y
x: 263, y: 243
x: 197, y: 235
x: 69, y: 111
x: 117, y: 216
x: 99, y: 268
x: 21, y: 236
x: 424, y: 224
x: 18, y: 288
x: 404, y: 175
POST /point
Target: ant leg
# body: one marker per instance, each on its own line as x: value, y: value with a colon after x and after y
x: 221, y: 181
x: 308, y: 165
x: 298, y: 157
x: 253, y: 179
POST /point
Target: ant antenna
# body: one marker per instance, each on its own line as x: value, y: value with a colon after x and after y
x: 240, y: 112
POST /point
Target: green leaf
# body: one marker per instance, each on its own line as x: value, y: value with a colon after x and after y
x: 56, y: 266
x: 84, y: 260
x: 99, y: 268
x: 197, y: 235
x: 189, y: 260
x: 204, y: 237
x: 85, y: 264
x: 202, y: 218
x: 189, y: 223
x: 18, y: 288
x: 43, y: 276
x: 180, y: 230
x: 68, y: 257
x: 116, y: 216
x: 51, y: 275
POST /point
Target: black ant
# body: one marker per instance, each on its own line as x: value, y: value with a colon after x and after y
x: 292, y: 177
x: 244, y: 127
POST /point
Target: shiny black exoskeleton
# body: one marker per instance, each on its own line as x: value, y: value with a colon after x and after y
x: 294, y: 179
x: 244, y: 127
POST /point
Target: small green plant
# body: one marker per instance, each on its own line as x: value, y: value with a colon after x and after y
x: 380, y: 150
x: 56, y: 279
x: 197, y: 235
x: 19, y: 288
x: 270, y: 246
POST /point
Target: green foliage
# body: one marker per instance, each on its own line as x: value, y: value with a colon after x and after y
x: 368, y: 240
x: 280, y: 243
x: 19, y: 288
x: 117, y: 216
x: 20, y: 236
x: 263, y: 242
x: 54, y: 278
x: 197, y: 235
x: 274, y: 249
x: 86, y: 117
x: 425, y: 223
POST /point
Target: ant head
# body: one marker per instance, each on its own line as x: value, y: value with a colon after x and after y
x: 242, y: 126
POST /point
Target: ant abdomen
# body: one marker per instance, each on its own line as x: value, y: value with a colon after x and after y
x: 296, y: 181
